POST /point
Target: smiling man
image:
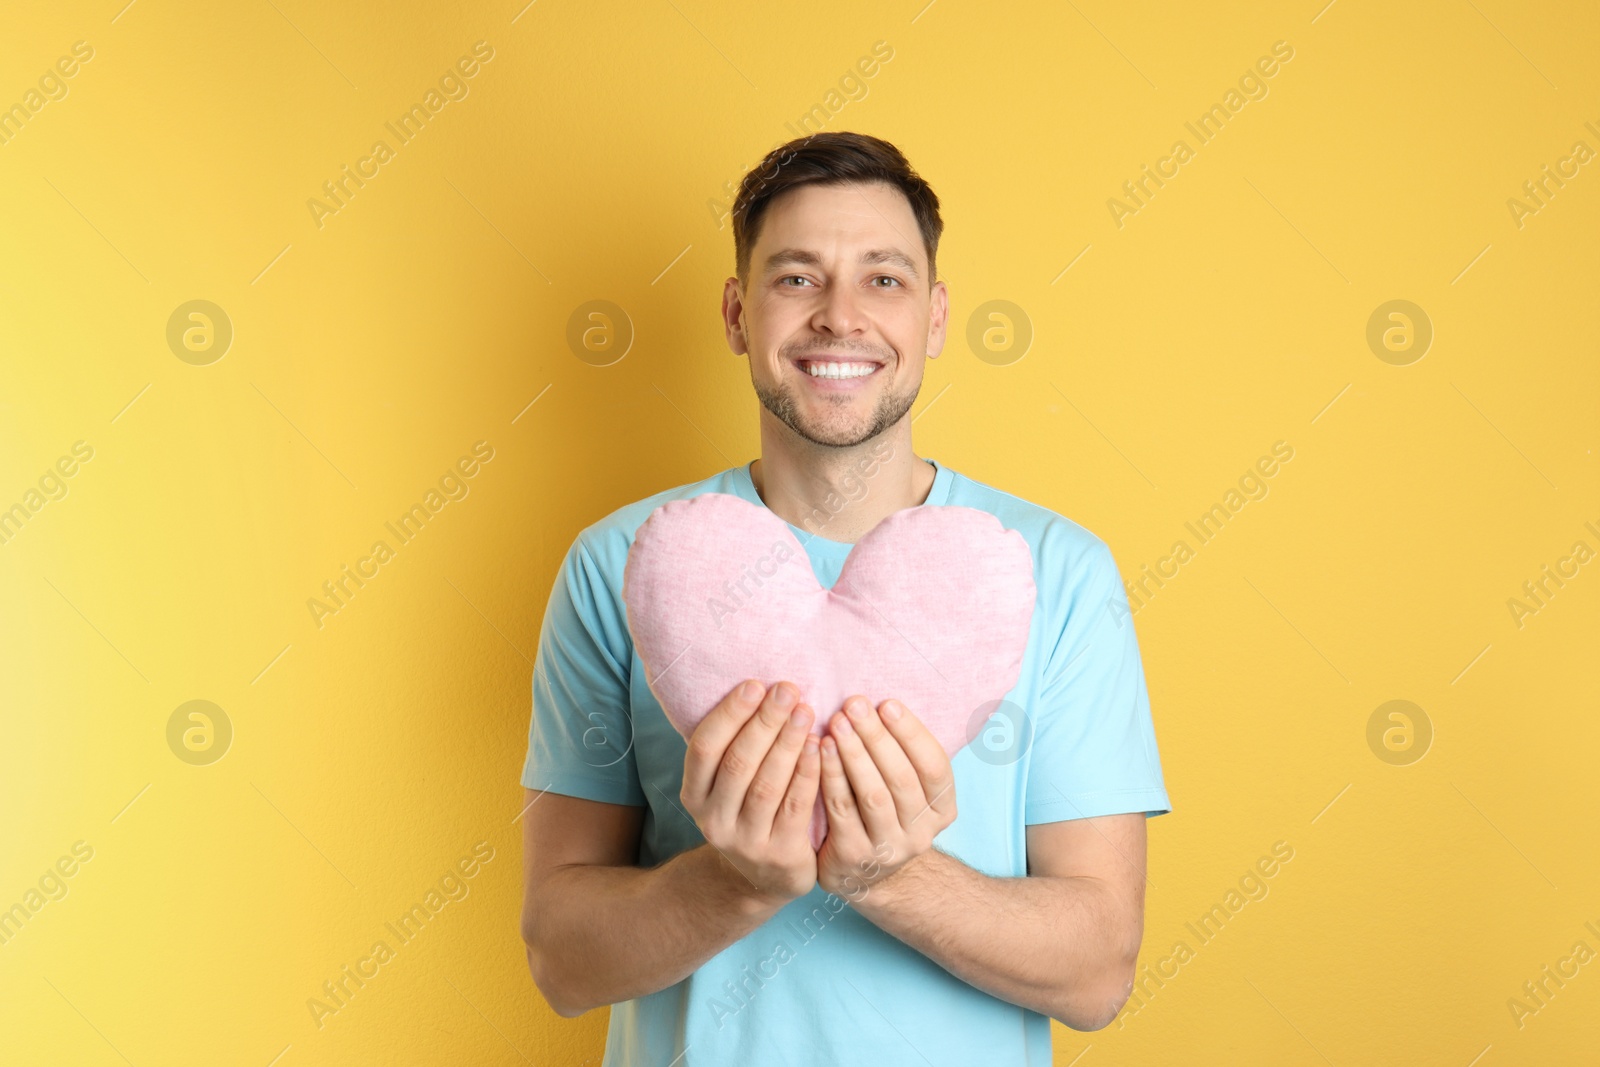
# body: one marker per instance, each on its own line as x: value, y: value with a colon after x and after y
x: 676, y: 880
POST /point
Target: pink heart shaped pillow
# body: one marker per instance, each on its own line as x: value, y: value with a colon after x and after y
x: 932, y: 608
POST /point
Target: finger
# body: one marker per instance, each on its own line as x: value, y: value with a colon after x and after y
x: 771, y: 782
x: 845, y: 829
x: 749, y: 747
x: 872, y: 797
x: 927, y: 757
x: 710, y: 739
x: 893, y: 764
x: 794, y: 817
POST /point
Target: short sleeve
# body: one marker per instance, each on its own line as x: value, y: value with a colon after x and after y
x: 580, y: 736
x: 1094, y: 746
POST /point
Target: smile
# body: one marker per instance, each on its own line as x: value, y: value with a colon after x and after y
x: 836, y: 370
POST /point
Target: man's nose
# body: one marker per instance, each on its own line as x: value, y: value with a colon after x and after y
x: 840, y: 312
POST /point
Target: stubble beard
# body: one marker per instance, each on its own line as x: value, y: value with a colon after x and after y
x: 891, y: 407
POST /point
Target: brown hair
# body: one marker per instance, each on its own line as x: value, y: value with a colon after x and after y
x: 830, y: 159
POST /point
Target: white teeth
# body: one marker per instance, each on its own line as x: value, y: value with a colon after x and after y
x: 840, y: 370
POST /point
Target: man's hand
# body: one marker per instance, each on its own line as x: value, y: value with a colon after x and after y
x: 888, y: 788
x: 750, y: 781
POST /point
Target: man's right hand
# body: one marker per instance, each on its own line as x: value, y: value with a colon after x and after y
x: 750, y: 780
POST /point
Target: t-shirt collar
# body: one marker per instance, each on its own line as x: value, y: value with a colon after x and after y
x: 745, y: 487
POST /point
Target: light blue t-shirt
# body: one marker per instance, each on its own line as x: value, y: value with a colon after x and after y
x: 817, y: 983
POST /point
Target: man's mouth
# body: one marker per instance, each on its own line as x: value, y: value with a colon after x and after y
x: 834, y: 368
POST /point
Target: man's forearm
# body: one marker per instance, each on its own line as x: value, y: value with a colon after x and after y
x: 1055, y: 945
x: 599, y: 935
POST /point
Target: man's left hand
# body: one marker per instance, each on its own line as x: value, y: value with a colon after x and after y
x: 889, y: 790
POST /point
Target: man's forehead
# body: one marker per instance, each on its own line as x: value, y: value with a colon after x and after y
x: 871, y: 223
x: 858, y: 203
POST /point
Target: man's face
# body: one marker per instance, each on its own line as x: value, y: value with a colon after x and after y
x: 838, y: 311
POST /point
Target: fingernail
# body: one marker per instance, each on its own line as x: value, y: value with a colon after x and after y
x: 784, y: 696
x: 811, y: 745
x: 749, y: 690
x: 830, y: 746
x: 889, y: 709
x: 844, y: 726
x: 855, y: 708
x: 797, y: 717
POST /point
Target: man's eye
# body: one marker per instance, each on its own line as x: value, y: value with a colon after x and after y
x: 886, y: 278
x: 794, y: 278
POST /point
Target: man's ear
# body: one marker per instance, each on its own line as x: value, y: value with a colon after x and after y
x: 733, y: 316
x: 938, y: 319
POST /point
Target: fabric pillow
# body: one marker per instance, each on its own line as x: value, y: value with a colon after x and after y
x: 932, y: 607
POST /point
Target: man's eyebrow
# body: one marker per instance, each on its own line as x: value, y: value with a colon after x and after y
x: 891, y: 255
x: 800, y: 257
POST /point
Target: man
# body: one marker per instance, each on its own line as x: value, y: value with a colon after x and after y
x: 676, y: 880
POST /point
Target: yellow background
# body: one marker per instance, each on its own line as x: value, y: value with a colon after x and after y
x: 370, y: 353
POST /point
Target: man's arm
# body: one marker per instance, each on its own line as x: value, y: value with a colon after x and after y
x: 599, y: 929
x: 1063, y: 940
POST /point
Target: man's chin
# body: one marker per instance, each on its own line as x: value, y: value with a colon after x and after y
x: 832, y: 434
x: 832, y: 425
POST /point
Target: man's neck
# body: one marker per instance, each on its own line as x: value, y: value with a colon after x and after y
x: 839, y: 494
